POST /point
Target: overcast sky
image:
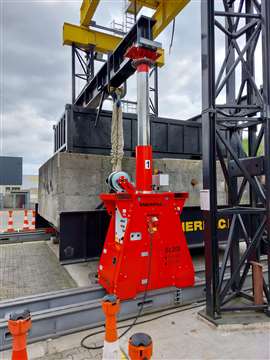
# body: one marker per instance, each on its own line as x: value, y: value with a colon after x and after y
x: 36, y: 80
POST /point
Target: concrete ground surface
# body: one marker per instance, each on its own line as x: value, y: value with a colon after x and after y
x: 84, y: 274
x: 178, y: 336
x: 30, y: 268
x: 33, y: 268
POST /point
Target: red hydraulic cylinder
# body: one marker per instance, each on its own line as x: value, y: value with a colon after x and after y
x: 145, y: 247
x: 143, y: 68
x: 144, y: 165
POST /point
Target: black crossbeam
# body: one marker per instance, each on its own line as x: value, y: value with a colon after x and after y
x: 117, y: 69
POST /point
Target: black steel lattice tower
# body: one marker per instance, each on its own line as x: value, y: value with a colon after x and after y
x: 235, y: 107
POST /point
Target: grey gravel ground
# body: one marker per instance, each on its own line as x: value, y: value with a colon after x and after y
x: 30, y: 268
x: 179, y: 336
x: 75, y: 354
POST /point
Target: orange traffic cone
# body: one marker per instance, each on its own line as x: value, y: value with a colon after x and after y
x: 140, y: 346
x: 19, y: 324
x: 33, y: 223
x: 10, y: 221
x: 111, y: 349
x: 25, y: 221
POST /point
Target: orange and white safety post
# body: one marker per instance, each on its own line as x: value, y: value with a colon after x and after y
x: 25, y: 221
x: 1, y: 222
x: 19, y: 324
x: 10, y: 221
x: 140, y: 347
x: 111, y: 307
x: 33, y: 223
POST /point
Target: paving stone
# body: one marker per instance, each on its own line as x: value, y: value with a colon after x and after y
x: 30, y: 268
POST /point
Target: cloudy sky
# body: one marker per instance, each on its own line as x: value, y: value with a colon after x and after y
x: 35, y: 71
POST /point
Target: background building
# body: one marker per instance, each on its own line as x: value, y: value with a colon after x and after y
x: 30, y: 184
x: 12, y: 194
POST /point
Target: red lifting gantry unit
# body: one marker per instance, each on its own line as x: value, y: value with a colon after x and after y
x: 145, y: 247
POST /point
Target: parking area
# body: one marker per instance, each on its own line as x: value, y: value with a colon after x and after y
x: 30, y: 268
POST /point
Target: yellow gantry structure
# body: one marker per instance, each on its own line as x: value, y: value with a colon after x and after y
x: 102, y: 42
x: 88, y: 9
x: 85, y: 37
x: 165, y: 11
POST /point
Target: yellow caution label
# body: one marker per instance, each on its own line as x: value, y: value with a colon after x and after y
x: 198, y: 225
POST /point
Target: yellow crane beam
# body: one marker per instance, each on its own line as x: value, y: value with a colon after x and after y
x: 83, y: 37
x: 88, y: 9
x: 135, y: 6
x: 166, y: 11
x: 102, y: 42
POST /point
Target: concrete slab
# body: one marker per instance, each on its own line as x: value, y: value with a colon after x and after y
x: 30, y: 268
x: 176, y: 336
x: 183, y: 336
x: 237, y: 320
x: 84, y: 274
x: 73, y: 182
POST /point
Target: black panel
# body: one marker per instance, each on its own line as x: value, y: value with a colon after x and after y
x: 10, y: 170
x: 82, y: 235
x: 100, y: 136
x: 159, y: 136
x: 191, y: 140
x: 41, y: 223
x: 134, y: 134
x: 169, y: 137
x: 176, y: 138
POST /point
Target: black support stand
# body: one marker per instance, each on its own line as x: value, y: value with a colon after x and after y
x: 232, y: 100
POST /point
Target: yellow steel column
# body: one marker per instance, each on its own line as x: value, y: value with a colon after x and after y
x: 88, y: 9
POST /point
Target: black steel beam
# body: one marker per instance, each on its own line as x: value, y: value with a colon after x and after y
x: 209, y: 155
x: 117, y: 68
x: 73, y: 74
x: 266, y: 97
